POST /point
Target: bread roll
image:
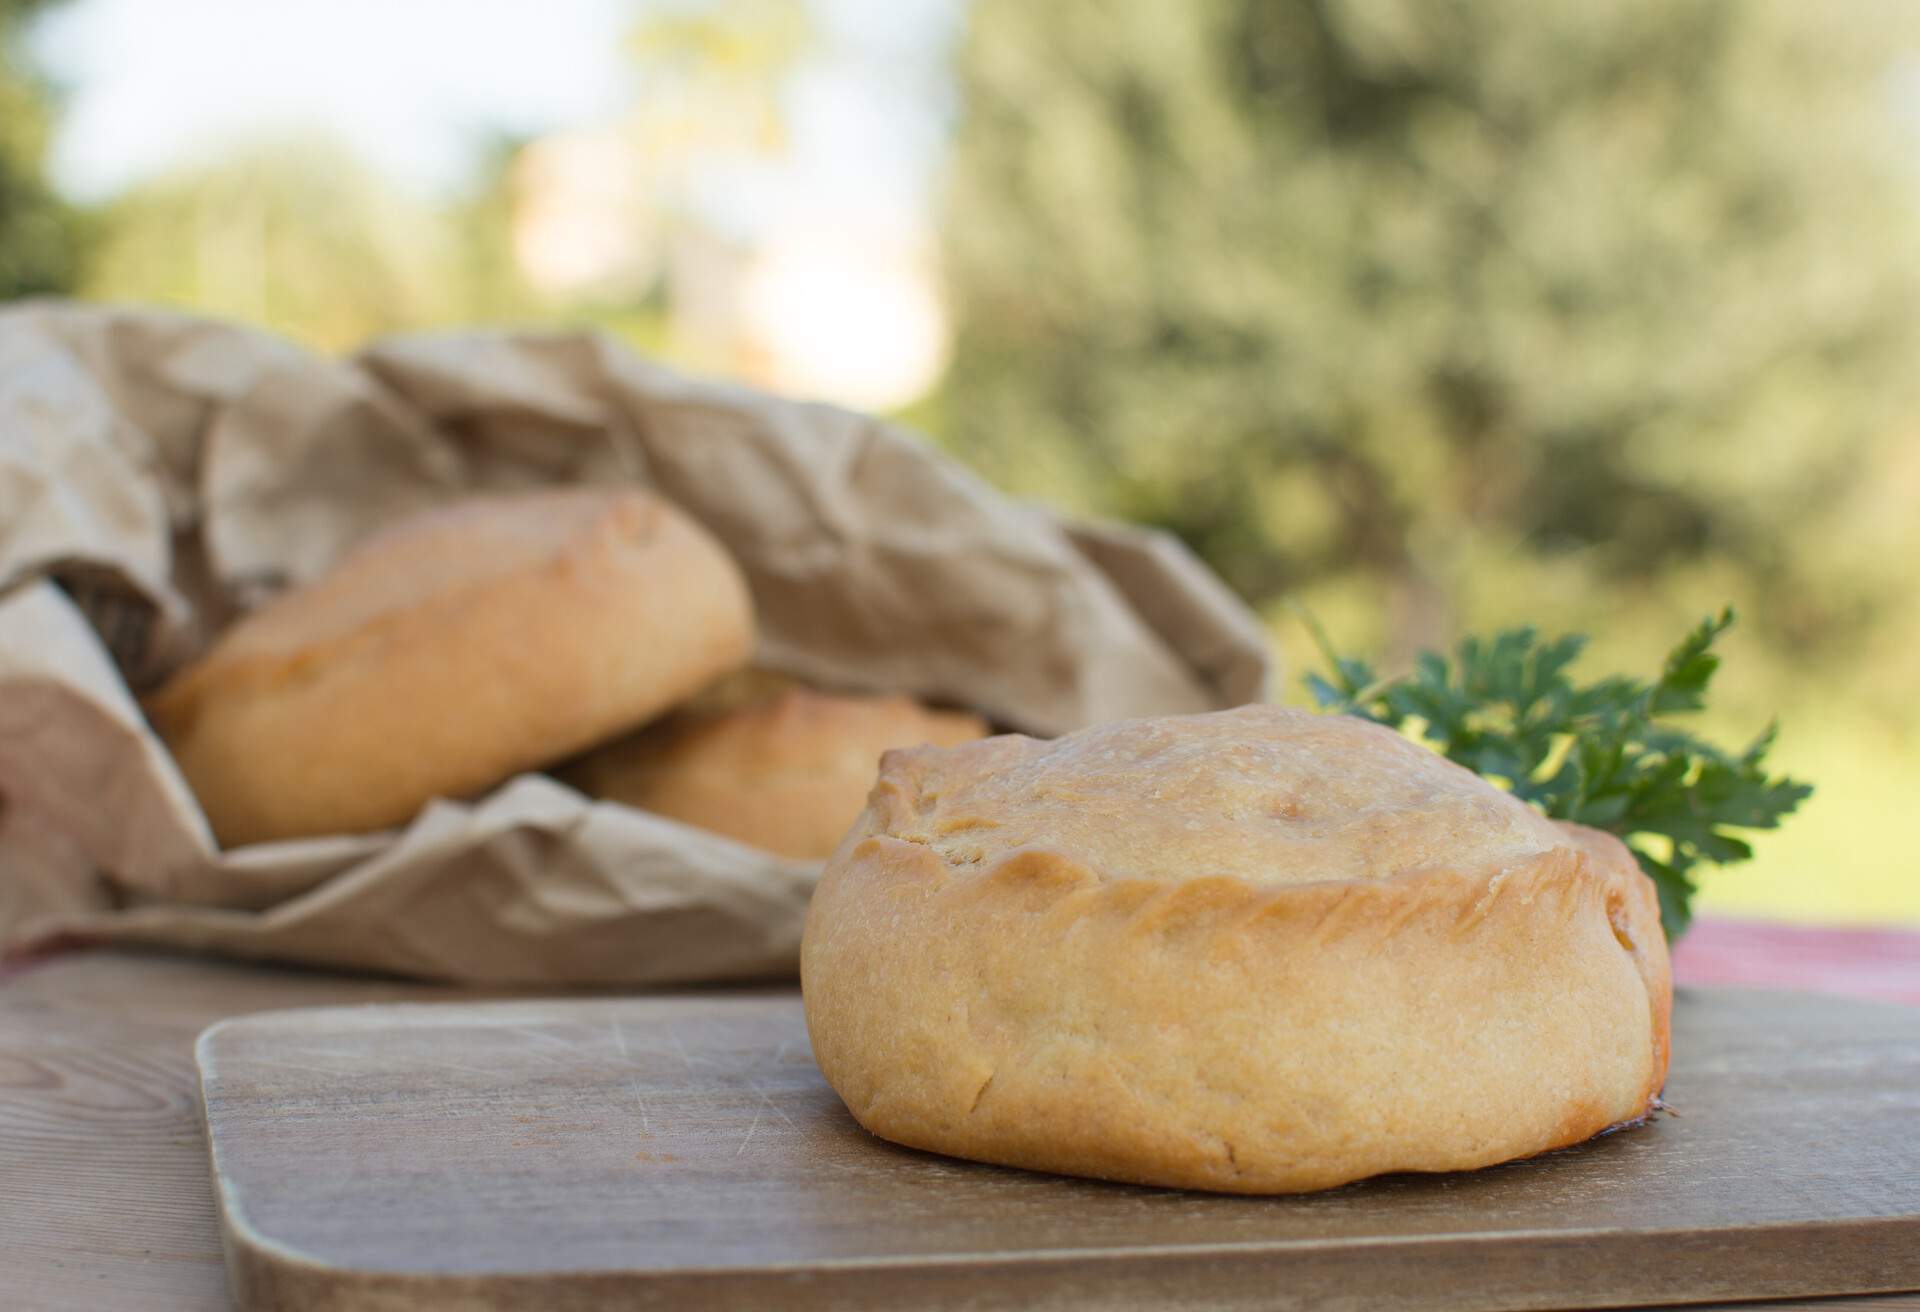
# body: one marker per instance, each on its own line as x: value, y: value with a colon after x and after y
x: 449, y: 652
x: 1259, y: 951
x: 787, y: 773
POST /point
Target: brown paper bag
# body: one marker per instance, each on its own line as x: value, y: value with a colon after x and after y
x: 160, y: 474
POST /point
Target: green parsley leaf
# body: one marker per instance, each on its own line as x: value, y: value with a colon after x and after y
x: 1599, y: 754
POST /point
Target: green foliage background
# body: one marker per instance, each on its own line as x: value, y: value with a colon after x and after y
x: 1425, y: 310
x: 1446, y: 317
x: 1438, y: 316
x: 38, y: 235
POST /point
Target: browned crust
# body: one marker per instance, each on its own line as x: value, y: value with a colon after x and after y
x: 311, y: 717
x: 1209, y: 1032
x: 787, y: 772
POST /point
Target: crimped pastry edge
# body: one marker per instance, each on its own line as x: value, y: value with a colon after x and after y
x: 1213, y: 919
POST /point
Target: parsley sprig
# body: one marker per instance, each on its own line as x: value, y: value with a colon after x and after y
x: 1601, y: 754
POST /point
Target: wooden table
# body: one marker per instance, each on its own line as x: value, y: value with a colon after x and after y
x: 104, y: 1195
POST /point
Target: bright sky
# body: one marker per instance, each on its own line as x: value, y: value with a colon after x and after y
x: 838, y: 297
x: 413, y: 85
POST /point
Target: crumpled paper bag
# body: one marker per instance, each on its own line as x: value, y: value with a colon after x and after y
x: 160, y: 474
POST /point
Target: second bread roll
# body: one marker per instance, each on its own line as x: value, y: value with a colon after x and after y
x: 786, y: 773
x: 449, y: 652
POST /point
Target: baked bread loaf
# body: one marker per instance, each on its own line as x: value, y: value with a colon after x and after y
x: 1259, y: 951
x: 449, y: 652
x: 786, y: 772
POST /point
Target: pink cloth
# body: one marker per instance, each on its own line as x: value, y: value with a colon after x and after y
x: 1865, y: 963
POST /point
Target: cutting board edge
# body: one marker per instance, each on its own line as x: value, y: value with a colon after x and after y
x: 265, y: 1273
x: 1881, y: 1254
x: 483, y: 1012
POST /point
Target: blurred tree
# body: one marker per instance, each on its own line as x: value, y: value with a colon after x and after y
x: 36, y: 231
x: 713, y: 75
x: 1387, y: 296
x: 609, y: 225
x: 713, y: 79
x: 489, y: 282
x: 292, y: 234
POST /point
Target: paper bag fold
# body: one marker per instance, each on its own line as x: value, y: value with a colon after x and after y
x: 160, y: 474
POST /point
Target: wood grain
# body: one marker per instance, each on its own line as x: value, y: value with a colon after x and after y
x: 105, y: 1200
x: 685, y: 1152
x: 119, y: 1216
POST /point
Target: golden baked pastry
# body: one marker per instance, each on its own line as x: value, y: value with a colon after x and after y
x: 1259, y: 951
x: 449, y: 652
x: 786, y: 773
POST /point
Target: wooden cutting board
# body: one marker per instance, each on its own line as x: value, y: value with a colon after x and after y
x: 683, y: 1151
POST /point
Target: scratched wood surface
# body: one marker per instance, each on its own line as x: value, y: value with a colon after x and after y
x: 685, y: 1152
x: 105, y: 1200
